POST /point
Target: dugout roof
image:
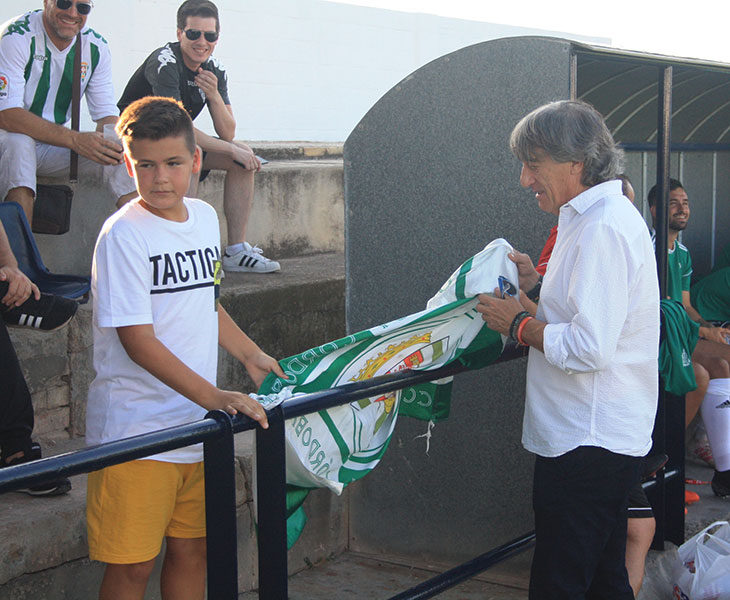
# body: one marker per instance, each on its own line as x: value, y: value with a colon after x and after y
x: 623, y: 86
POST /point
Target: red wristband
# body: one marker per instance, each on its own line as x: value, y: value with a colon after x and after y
x: 520, y: 328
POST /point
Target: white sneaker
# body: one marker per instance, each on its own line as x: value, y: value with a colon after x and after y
x: 249, y: 260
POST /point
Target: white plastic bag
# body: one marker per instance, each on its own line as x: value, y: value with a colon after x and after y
x: 703, y: 569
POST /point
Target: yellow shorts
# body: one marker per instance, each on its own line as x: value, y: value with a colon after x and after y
x: 131, y: 507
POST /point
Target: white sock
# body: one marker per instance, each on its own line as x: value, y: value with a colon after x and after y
x: 716, y: 417
x: 234, y: 249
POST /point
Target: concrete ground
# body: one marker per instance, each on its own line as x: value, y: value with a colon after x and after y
x: 353, y: 576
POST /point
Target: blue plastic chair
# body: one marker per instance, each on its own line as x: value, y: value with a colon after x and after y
x: 29, y: 260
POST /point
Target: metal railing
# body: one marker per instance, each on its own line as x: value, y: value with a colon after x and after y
x: 216, y: 433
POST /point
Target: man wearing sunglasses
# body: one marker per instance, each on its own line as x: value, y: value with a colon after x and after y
x: 37, y: 52
x: 185, y: 70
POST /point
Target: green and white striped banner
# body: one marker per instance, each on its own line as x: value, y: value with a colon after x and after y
x: 333, y: 447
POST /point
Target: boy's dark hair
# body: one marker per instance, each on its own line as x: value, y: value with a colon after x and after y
x: 197, y: 8
x: 154, y: 118
x: 673, y: 185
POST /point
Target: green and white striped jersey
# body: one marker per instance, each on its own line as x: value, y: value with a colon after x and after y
x: 38, y: 77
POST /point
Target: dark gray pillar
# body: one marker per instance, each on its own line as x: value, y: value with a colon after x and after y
x: 429, y: 181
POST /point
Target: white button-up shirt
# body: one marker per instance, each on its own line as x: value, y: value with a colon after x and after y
x: 596, y: 384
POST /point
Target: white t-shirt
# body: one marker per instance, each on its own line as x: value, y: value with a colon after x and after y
x: 596, y: 384
x: 149, y: 270
x: 36, y: 76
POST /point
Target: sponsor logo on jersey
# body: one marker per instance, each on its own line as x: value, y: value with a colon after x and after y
x: 4, y: 85
x: 40, y: 57
x: 165, y: 57
x: 21, y: 26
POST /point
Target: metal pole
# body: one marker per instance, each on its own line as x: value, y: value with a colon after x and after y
x: 467, y: 570
x: 220, y: 511
x: 573, y: 76
x: 271, y: 507
x: 664, y: 137
x: 674, y: 487
x: 672, y: 407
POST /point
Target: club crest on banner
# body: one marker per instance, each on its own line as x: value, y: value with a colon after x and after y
x: 334, y: 447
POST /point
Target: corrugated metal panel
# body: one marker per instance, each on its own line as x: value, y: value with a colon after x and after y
x: 623, y: 86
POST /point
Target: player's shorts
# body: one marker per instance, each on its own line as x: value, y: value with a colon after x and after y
x: 22, y: 159
x: 132, y: 507
x: 639, y: 506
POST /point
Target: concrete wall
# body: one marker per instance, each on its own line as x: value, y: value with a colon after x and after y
x: 298, y: 69
x: 418, y: 204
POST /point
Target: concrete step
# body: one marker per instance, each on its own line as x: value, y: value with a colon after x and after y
x: 274, y: 151
x: 298, y: 208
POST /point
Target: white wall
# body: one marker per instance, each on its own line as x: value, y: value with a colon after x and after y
x: 298, y: 69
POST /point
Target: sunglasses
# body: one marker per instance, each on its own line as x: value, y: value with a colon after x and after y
x: 194, y: 34
x: 83, y: 8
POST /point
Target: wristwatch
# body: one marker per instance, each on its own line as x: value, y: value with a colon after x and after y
x: 534, y: 293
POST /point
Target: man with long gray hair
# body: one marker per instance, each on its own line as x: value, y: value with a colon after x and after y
x: 592, y: 369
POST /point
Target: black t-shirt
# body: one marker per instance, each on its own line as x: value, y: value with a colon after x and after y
x: 164, y: 73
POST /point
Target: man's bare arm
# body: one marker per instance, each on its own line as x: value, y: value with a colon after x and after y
x: 222, y: 114
x: 707, y: 331
x: 89, y: 144
x: 19, y: 286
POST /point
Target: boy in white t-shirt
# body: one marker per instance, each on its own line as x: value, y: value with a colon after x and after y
x: 157, y: 325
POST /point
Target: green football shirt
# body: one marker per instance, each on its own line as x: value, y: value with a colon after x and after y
x: 711, y: 296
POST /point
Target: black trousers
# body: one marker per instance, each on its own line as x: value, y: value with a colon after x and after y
x: 16, y: 410
x: 580, y: 502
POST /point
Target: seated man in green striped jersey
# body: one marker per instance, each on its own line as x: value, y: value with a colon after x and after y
x: 37, y: 53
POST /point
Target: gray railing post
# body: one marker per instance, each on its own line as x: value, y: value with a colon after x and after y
x: 220, y: 511
x: 271, y: 507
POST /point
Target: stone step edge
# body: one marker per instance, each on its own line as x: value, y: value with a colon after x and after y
x: 297, y: 150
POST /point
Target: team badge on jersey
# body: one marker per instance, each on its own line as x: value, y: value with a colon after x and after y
x: 84, y: 70
x: 4, y: 85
